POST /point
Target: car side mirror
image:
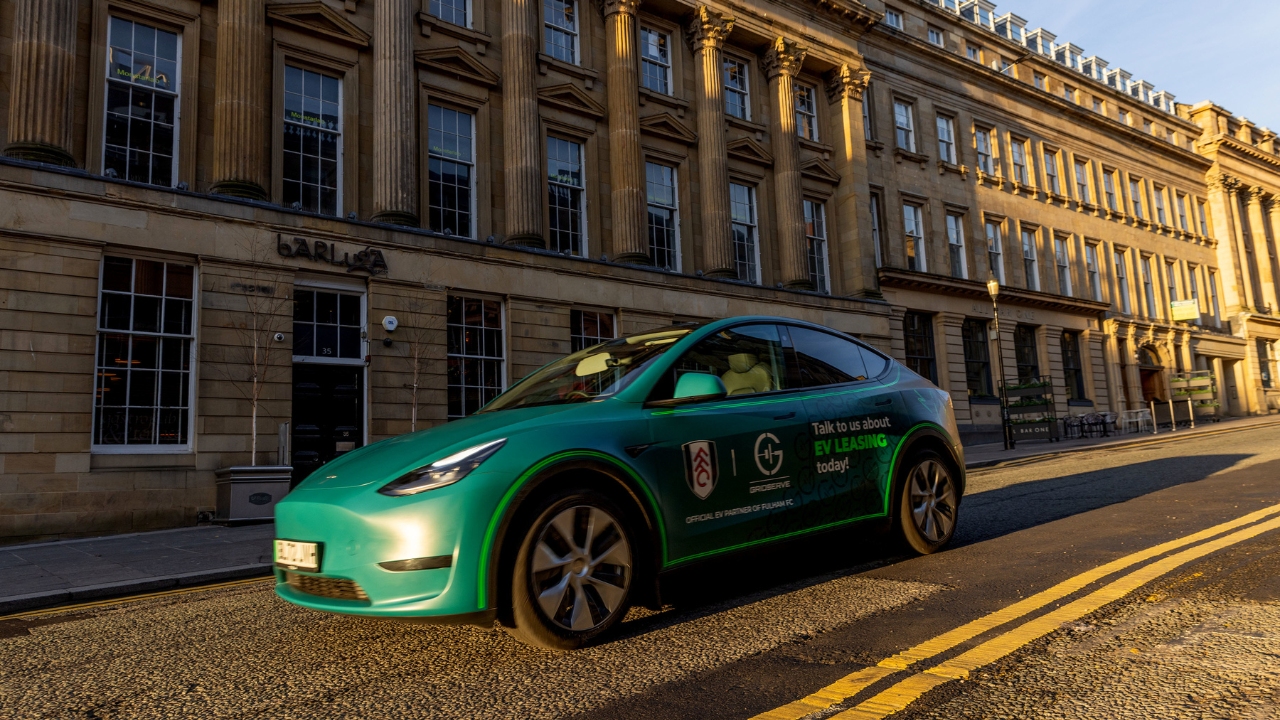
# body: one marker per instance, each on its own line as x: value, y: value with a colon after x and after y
x: 699, y: 385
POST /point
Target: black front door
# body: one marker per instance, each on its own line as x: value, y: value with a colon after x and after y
x: 328, y: 419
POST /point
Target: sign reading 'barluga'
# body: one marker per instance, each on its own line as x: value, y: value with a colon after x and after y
x: 368, y: 260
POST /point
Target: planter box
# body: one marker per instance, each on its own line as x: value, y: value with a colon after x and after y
x: 1179, y: 384
x: 1201, y: 392
x: 1029, y: 392
x: 1047, y: 430
x: 249, y: 493
x: 1042, y: 407
x: 1200, y: 382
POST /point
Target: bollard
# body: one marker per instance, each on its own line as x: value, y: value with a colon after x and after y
x: 1191, y: 409
x: 1173, y: 417
x: 1154, y: 430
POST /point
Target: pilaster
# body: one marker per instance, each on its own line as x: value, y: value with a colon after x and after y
x: 521, y: 145
x: 239, y: 110
x: 706, y: 34
x: 1231, y: 258
x: 845, y: 89
x: 44, y: 58
x: 626, y: 165
x: 781, y: 64
x: 1261, y: 253
x: 395, y: 137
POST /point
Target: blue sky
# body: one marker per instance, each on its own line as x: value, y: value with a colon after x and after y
x: 1227, y: 51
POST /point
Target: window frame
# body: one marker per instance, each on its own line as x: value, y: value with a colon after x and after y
x: 1093, y: 271
x: 909, y: 129
x: 915, y: 242
x: 995, y: 247
x: 584, y: 225
x: 983, y: 363
x: 890, y: 15
x: 1078, y: 392
x: 819, y: 263
x: 935, y: 37
x: 667, y: 68
x: 956, y: 245
x: 947, y: 147
x: 338, y: 288
x: 877, y: 228
x: 1121, y: 266
x: 912, y: 339
x: 810, y: 116
x: 468, y: 13
x: 473, y: 210
x: 1146, y: 275
x: 1030, y: 254
x: 576, y: 338
x: 1084, y: 185
x: 675, y: 211
x: 743, y: 92
x: 1020, y: 172
x: 106, y: 81
x: 1137, y: 191
x: 984, y: 131
x: 1052, y: 173
x: 286, y: 123
x: 504, y: 360
x: 753, y: 230
x: 575, y: 33
x: 1062, y: 261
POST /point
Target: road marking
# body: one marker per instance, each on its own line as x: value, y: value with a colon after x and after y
x: 852, y: 684
x: 134, y: 598
x: 901, y: 695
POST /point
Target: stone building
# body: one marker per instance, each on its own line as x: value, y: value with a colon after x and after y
x: 208, y: 209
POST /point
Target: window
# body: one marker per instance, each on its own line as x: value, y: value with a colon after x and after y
x: 1018, y: 154
x: 1062, y: 258
x: 1158, y: 201
x: 868, y: 117
x: 1213, y: 298
x: 994, y: 249
x: 876, y: 243
x: 1264, y: 362
x: 327, y: 325
x: 1182, y: 212
x: 1136, y: 197
x: 1171, y: 280
x: 560, y: 29
x: 588, y: 329
x: 1109, y: 189
x: 450, y: 171
x: 1098, y: 107
x: 1204, y: 218
x: 828, y: 359
x: 935, y: 37
x: 947, y: 139
x: 1069, y: 93
x: 917, y: 331
x: 1194, y: 284
x: 749, y: 359
x: 1148, y: 287
x: 1124, y: 117
x: 1122, y: 282
x: 655, y: 60
x: 746, y: 248
x: 565, y: 197
x: 806, y: 112
x: 1041, y: 82
x: 913, y: 228
x: 955, y: 242
x: 974, y: 53
x: 1029, y: 261
x: 1051, y: 172
x: 1091, y: 267
x: 664, y: 225
x: 450, y: 11
x: 736, y: 90
x: 977, y: 358
x: 905, y: 125
x: 1026, y: 353
x: 982, y: 140
x: 145, y: 342
x: 1072, y: 367
x: 312, y: 140
x: 1082, y: 182
x: 893, y: 19
x: 815, y: 230
x: 475, y: 355
x: 143, y: 76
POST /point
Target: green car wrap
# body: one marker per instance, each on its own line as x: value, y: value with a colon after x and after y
x: 781, y: 464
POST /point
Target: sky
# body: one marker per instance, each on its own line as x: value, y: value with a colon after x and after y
x: 1227, y: 51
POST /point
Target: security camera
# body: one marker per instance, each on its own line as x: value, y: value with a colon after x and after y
x: 279, y: 337
x: 390, y: 323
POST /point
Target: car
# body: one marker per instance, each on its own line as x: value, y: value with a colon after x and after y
x: 567, y: 498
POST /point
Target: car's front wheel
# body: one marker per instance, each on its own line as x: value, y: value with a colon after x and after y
x: 573, y: 574
x: 930, y: 502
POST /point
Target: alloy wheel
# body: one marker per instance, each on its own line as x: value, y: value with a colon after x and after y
x: 933, y: 500
x: 581, y: 568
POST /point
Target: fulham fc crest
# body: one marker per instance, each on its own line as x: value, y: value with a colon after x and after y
x: 700, y: 468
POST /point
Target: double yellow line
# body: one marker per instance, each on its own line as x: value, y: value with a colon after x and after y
x: 902, y: 694
x: 80, y: 607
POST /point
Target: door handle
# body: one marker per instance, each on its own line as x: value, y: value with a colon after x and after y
x: 788, y: 416
x: 882, y: 403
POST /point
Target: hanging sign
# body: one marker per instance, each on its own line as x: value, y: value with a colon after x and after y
x: 368, y: 260
x: 1185, y: 310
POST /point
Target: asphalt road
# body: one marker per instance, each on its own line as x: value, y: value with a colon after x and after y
x: 747, y: 635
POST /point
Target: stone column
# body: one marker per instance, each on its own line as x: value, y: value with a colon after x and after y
x: 706, y: 35
x: 44, y: 59
x: 1222, y: 192
x: 523, y: 181
x: 395, y: 125
x: 1272, y: 211
x: 239, y: 110
x: 626, y: 165
x: 781, y: 65
x: 846, y: 86
x: 1261, y: 252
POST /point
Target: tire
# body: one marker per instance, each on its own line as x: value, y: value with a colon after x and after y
x: 567, y: 591
x: 929, y: 504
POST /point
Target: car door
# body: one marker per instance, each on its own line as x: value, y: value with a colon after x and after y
x: 853, y: 420
x: 728, y: 466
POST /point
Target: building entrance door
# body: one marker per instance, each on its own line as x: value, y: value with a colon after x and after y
x: 328, y: 377
x: 1152, y: 374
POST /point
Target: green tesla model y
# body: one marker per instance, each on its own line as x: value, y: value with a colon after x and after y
x: 567, y: 497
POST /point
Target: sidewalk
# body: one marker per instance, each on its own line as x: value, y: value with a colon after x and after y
x: 42, y: 575
x: 54, y: 573
x: 981, y: 456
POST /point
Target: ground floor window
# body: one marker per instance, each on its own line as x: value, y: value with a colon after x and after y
x: 1264, y: 361
x: 142, y: 389
x: 1026, y: 352
x: 588, y: 328
x: 1072, y: 367
x: 327, y: 325
x: 475, y: 354
x: 977, y: 358
x: 917, y: 331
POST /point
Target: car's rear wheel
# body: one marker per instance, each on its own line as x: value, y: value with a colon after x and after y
x: 930, y: 502
x: 574, y: 572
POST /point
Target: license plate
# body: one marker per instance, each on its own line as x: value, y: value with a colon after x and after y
x: 298, y: 555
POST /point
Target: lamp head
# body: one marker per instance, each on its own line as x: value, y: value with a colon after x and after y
x: 993, y: 287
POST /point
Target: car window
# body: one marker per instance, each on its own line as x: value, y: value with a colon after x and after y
x: 875, y: 362
x: 826, y: 359
x: 748, y: 358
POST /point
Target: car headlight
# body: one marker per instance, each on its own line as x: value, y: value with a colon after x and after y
x: 445, y: 471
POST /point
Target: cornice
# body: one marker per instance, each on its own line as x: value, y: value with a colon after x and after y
x: 909, y: 279
x: 1216, y: 142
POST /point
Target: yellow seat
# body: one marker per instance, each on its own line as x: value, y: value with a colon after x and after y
x: 747, y: 375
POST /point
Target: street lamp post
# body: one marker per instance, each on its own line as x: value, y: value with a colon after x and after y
x: 993, y: 288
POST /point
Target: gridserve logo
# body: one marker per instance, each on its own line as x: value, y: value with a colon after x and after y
x: 701, y: 469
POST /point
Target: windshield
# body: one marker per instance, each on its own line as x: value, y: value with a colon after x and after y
x: 592, y: 373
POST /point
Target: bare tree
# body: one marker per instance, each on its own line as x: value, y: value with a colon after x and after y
x: 417, y: 340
